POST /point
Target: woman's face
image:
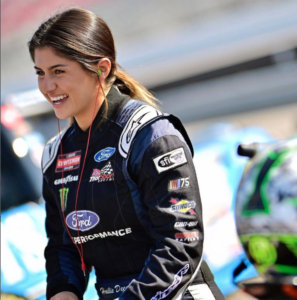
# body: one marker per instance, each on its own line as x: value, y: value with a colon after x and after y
x: 66, y: 85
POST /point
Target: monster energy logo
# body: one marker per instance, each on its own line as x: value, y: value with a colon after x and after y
x: 63, y: 197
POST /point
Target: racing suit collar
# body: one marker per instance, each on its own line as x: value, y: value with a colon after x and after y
x: 116, y: 101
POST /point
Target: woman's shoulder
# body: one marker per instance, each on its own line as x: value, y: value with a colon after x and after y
x: 143, y: 123
x: 133, y: 117
x: 51, y: 149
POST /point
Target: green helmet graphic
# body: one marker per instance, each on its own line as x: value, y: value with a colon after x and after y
x: 266, y: 209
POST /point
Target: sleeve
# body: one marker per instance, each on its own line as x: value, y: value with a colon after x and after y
x: 63, y: 264
x: 162, y: 166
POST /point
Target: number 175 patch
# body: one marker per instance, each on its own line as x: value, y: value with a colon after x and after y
x: 179, y: 183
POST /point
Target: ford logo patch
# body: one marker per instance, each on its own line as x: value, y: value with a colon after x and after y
x: 104, y: 154
x: 86, y: 220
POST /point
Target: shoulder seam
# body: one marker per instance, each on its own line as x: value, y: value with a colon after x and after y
x: 50, y: 151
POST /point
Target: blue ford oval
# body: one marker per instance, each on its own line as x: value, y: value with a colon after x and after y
x: 84, y: 221
x: 104, y: 154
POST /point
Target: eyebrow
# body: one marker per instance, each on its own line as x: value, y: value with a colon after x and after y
x: 52, y: 67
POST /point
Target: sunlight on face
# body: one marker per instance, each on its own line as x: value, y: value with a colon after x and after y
x: 69, y: 88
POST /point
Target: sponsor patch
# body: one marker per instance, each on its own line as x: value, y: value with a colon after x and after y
x: 104, y: 154
x: 183, y: 206
x: 177, y: 280
x: 178, y: 183
x: 170, y: 160
x: 102, y: 235
x: 66, y: 179
x: 68, y: 162
x: 63, y: 197
x: 187, y: 236
x: 85, y: 220
x: 104, y: 174
x: 186, y: 224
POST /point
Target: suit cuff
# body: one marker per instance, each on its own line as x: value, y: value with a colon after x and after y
x: 50, y: 292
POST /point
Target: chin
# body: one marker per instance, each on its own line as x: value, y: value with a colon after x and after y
x: 62, y: 116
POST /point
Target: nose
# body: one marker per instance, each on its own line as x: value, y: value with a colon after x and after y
x: 48, y: 85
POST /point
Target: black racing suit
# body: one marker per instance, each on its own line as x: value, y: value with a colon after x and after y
x: 138, y: 212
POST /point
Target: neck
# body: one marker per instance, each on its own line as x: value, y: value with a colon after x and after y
x: 84, y: 120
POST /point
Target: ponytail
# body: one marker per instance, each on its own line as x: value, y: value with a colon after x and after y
x: 82, y: 36
x: 129, y: 86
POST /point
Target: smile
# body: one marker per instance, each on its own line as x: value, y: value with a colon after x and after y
x: 58, y: 98
x: 59, y: 101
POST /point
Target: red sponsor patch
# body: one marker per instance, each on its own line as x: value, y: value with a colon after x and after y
x: 186, y: 235
x: 105, y: 174
x: 68, y: 162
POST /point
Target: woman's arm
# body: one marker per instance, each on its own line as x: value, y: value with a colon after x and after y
x: 162, y: 167
x: 63, y: 265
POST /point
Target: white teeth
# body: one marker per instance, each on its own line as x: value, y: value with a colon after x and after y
x: 58, y: 98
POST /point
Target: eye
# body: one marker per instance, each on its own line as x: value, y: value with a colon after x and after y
x: 39, y: 73
x: 59, y: 71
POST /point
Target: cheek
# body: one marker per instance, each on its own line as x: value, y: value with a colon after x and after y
x: 86, y: 88
x: 39, y: 84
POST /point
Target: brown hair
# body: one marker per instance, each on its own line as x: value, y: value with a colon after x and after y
x: 81, y: 35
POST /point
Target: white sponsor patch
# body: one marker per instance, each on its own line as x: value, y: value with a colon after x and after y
x: 185, y: 224
x: 66, y: 179
x: 170, y: 160
x: 102, y: 235
x: 177, y: 280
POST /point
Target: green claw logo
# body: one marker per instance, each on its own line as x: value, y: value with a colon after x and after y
x: 63, y: 197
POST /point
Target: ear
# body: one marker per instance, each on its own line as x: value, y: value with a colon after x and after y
x: 104, y: 65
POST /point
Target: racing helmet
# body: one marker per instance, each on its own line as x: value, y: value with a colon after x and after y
x: 266, y: 210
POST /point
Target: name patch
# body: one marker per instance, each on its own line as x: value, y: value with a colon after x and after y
x: 170, y: 160
x: 104, y: 154
x: 111, y: 290
x: 68, y: 162
x: 84, y: 221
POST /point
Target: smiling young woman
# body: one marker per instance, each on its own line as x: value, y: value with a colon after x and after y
x: 119, y: 184
x: 68, y: 86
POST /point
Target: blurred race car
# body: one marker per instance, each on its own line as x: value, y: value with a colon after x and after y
x: 219, y: 170
x: 27, y: 125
